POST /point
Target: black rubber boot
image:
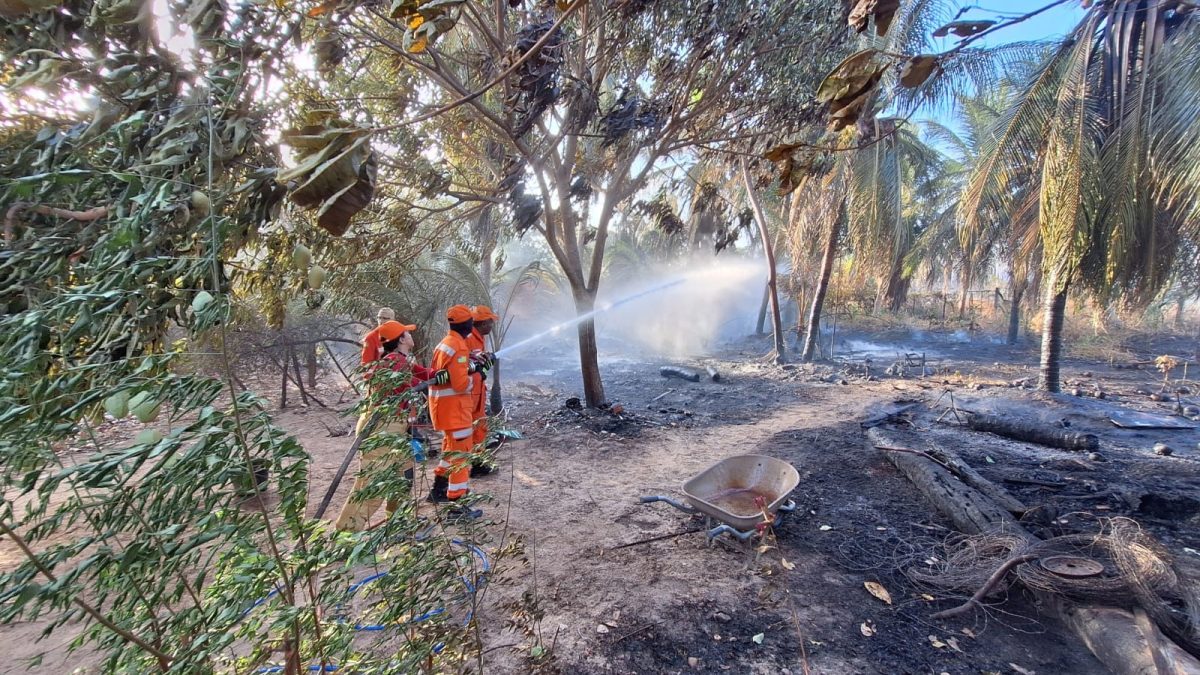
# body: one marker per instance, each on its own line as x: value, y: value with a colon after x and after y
x: 438, y: 493
x: 478, y: 470
x: 408, y: 475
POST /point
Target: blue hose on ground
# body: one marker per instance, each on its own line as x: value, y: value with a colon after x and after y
x: 485, y: 568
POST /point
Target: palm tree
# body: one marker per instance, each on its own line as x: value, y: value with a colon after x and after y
x: 872, y: 182
x: 875, y: 199
x: 1103, y: 137
x: 974, y: 245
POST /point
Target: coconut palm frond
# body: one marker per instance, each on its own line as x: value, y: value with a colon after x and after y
x: 520, y: 283
x: 817, y: 202
x: 1024, y: 233
x: 624, y: 257
x: 1010, y: 152
x: 935, y: 249
x: 912, y: 27
x: 937, y: 132
x: 1175, y: 139
x: 463, y: 280
x: 1070, y: 189
x: 887, y: 180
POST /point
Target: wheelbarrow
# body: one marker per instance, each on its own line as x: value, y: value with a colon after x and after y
x: 744, y: 494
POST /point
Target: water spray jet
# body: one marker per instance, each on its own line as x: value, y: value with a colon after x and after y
x: 606, y: 307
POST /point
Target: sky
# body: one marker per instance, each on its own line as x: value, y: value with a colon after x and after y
x: 1054, y: 22
x: 1050, y: 24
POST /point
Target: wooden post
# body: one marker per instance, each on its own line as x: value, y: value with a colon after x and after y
x: 299, y: 380
x: 283, y: 390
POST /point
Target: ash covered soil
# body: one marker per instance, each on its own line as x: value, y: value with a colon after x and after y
x: 617, y: 598
x: 609, y: 585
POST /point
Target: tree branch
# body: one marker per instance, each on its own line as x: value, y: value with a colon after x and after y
x: 164, y: 661
x: 533, y: 51
x: 10, y: 218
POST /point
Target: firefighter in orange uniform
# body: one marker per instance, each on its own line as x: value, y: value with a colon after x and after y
x: 451, y: 409
x: 484, y: 319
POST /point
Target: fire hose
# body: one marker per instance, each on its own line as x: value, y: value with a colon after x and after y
x: 471, y: 587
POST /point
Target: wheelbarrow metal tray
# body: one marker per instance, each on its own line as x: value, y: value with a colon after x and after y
x: 727, y: 490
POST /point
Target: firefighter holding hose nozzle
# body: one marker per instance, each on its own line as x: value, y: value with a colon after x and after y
x: 452, y: 411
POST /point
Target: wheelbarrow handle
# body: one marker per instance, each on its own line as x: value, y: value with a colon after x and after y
x: 650, y: 499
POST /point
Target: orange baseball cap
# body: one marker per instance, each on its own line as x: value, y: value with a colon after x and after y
x: 483, y: 313
x: 458, y: 314
x: 390, y: 330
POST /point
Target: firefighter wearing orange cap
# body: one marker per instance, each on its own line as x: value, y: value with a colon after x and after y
x: 451, y: 409
x: 484, y: 320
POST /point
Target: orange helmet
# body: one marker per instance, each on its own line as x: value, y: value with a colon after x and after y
x: 458, y: 314
x: 483, y: 313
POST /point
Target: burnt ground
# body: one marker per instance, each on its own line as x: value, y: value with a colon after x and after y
x: 683, y: 606
x: 630, y: 588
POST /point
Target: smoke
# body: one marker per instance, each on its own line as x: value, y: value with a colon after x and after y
x: 715, y: 302
x: 673, y: 311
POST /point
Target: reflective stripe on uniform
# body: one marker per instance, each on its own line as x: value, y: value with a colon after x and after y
x: 465, y: 486
x: 460, y: 434
x: 437, y: 393
x: 445, y: 349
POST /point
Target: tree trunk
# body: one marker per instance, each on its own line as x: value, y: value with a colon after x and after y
x: 814, y: 314
x: 772, y: 277
x: 965, y: 298
x: 487, y: 240
x: 593, y: 388
x: 283, y: 389
x: 495, y: 399
x: 1179, y: 313
x: 759, y: 328
x: 894, y: 293
x: 1034, y: 433
x: 962, y: 504
x: 299, y: 378
x: 1052, y: 327
x: 1116, y: 637
x: 1014, y: 314
x: 800, y: 305
x: 310, y: 365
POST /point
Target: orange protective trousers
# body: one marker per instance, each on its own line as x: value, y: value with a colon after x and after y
x: 455, y: 462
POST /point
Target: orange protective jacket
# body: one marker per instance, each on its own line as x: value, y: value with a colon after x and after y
x: 452, y: 405
x: 372, y: 346
x: 475, y: 342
